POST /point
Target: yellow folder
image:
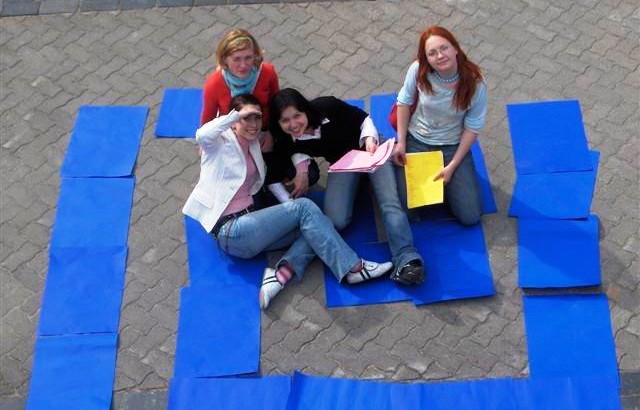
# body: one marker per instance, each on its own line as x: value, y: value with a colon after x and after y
x: 420, y: 170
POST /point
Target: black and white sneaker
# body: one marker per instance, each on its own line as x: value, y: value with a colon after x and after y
x: 369, y: 270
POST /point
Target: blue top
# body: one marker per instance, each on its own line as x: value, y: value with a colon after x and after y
x: 435, y: 121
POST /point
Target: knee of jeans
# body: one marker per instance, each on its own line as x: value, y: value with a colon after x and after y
x: 469, y: 218
x: 307, y: 205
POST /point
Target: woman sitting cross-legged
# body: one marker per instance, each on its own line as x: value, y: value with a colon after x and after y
x: 231, y: 171
x: 328, y: 127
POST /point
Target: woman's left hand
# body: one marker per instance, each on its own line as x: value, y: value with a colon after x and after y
x: 371, y: 145
x: 445, y: 174
x: 300, y: 184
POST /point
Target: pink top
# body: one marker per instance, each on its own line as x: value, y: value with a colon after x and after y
x: 242, y: 199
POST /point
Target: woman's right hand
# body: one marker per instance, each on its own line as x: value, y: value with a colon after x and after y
x: 249, y: 109
x: 399, y: 154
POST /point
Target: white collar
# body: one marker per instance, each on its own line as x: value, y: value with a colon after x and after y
x: 316, y: 133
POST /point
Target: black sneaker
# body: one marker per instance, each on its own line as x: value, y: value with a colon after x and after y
x: 410, y: 274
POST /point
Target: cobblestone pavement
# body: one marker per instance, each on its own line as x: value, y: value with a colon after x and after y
x: 529, y: 50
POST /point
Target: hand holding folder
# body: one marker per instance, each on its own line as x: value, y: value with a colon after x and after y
x: 362, y: 161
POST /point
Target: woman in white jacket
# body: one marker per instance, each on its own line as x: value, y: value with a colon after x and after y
x: 231, y: 172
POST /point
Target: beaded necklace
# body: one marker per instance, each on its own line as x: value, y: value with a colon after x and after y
x: 446, y: 80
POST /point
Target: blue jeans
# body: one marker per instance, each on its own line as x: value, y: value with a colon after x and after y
x: 299, y: 223
x: 338, y: 205
x: 462, y: 193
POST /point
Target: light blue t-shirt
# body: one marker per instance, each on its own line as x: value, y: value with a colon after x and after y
x: 435, y: 121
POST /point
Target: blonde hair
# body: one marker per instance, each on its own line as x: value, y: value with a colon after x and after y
x: 237, y: 40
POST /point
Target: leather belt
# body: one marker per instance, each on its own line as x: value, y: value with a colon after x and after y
x: 224, y: 219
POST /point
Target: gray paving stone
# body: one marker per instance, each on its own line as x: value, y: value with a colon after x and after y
x: 19, y: 8
x: 137, y: 4
x: 99, y: 5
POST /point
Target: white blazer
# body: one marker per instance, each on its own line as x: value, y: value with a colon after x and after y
x: 223, y: 169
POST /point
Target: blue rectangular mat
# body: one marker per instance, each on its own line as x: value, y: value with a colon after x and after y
x: 488, y: 201
x: 326, y: 393
x: 579, y: 393
x: 456, y: 262
x: 105, y: 141
x: 73, y: 372
x: 209, y: 265
x: 569, y: 393
x: 380, y: 109
x: 93, y: 212
x: 560, y: 195
x: 83, y: 291
x: 261, y: 393
x: 548, y: 136
x: 356, y: 103
x: 558, y: 253
x: 218, y: 331
x: 180, y: 113
x: 494, y: 394
x: 569, y: 336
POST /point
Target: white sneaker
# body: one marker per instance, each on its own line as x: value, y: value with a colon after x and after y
x: 270, y: 287
x: 369, y: 270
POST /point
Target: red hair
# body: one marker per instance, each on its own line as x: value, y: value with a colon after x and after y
x: 470, y: 73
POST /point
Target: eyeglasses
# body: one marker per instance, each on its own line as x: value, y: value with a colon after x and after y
x: 434, y: 52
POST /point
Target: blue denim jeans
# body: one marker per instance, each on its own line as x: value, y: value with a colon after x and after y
x: 342, y: 188
x: 299, y: 223
x: 462, y: 193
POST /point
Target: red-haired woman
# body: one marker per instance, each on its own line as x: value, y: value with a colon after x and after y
x: 449, y: 113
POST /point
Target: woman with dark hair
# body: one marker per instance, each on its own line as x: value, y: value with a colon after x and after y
x: 450, y: 98
x: 328, y: 127
x: 231, y: 172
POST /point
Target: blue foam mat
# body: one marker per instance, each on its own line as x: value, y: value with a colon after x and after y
x: 574, y: 393
x: 488, y: 201
x: 209, y: 265
x: 456, y: 262
x: 328, y: 393
x: 73, y: 372
x: 93, y: 212
x: 105, y: 141
x: 456, y: 257
x: 264, y: 393
x: 570, y: 336
x: 218, y: 331
x: 560, y: 195
x: 380, y: 109
x: 83, y: 291
x: 180, y: 113
x: 356, y: 103
x: 548, y: 136
x: 558, y: 253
